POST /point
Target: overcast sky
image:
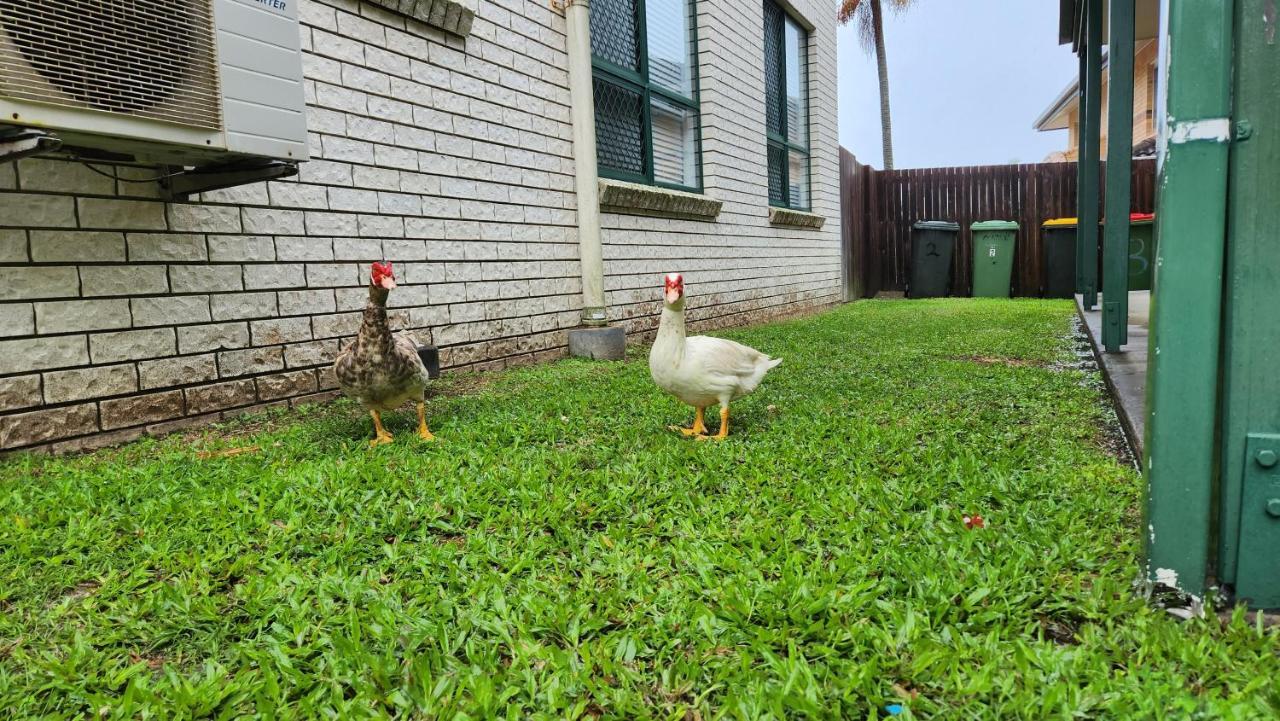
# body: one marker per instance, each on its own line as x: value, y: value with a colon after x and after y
x: 967, y: 79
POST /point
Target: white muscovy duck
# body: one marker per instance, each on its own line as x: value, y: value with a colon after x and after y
x: 701, y: 370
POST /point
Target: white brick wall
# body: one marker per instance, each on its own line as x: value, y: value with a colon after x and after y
x: 453, y: 158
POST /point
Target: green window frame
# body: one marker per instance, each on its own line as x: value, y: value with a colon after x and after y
x: 786, y: 46
x: 645, y: 81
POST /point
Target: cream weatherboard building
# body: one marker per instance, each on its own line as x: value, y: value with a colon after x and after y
x: 1064, y: 113
x: 443, y: 141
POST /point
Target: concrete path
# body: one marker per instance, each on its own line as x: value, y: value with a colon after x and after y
x: 1125, y: 371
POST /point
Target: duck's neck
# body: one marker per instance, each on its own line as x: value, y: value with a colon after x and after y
x: 375, y: 334
x: 670, y: 338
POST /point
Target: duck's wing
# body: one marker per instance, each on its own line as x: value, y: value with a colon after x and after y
x: 406, y: 353
x: 722, y: 356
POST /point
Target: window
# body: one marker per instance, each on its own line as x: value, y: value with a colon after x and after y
x: 1152, y: 91
x: 646, y: 91
x: 786, y: 108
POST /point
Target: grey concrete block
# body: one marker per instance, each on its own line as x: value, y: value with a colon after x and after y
x: 166, y: 247
x: 84, y: 383
x: 241, y: 248
x: 17, y: 392
x: 252, y: 360
x: 178, y: 371
x: 17, y: 319
x: 204, y: 218
x: 306, y: 302
x: 276, y: 331
x: 39, y: 211
x: 75, y: 246
x: 98, y: 280
x: 312, y: 353
x: 19, y: 283
x: 132, y: 345
x: 40, y: 426
x: 205, y: 399
x: 238, y: 306
x: 169, y: 309
x: 128, y: 214
x: 67, y: 316
x: 273, y: 221
x: 13, y: 246
x: 29, y: 354
x: 215, y: 336
x: 274, y: 275
x: 62, y: 176
x: 204, y: 278
x: 607, y: 343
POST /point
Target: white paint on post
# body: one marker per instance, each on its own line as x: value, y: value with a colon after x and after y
x: 1216, y: 130
x: 582, y: 112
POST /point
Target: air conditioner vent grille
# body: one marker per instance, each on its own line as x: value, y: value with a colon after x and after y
x: 146, y: 58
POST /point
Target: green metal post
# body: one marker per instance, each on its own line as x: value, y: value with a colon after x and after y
x: 1182, y: 382
x: 1081, y: 132
x: 1115, y: 276
x: 1249, y: 555
x: 1090, y: 148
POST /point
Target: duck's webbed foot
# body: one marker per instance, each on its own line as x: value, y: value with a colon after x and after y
x: 724, y: 426
x: 699, y: 428
x: 381, y: 437
x: 423, y: 432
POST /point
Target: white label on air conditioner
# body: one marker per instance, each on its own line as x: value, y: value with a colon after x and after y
x: 278, y: 5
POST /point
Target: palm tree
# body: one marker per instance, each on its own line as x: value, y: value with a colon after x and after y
x: 871, y: 32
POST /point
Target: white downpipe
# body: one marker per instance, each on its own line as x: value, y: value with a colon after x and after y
x: 582, y: 112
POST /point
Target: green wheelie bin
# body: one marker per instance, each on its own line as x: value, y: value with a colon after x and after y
x: 933, y: 243
x: 1060, y: 254
x: 1142, y: 250
x: 993, y: 246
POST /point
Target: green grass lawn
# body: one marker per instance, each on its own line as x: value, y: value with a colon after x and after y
x: 561, y: 554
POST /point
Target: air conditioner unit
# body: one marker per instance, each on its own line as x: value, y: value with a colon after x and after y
x: 173, y: 82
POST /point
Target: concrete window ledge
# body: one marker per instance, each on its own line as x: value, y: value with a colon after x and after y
x: 796, y: 218
x: 447, y: 15
x: 617, y: 196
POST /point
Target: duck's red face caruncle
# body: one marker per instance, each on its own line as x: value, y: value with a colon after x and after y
x: 383, y: 276
x: 673, y: 288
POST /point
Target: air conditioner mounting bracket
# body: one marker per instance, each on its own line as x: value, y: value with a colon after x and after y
x: 216, y: 177
x: 18, y: 143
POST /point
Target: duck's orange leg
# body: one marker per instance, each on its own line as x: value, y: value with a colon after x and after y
x: 423, y: 432
x: 699, y: 427
x: 724, y: 426
x: 382, y: 435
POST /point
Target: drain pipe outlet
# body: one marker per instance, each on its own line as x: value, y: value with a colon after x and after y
x: 596, y: 339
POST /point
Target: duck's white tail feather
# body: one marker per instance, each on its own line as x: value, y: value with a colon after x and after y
x: 764, y: 365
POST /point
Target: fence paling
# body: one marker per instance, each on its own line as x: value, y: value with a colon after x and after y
x: 885, y: 204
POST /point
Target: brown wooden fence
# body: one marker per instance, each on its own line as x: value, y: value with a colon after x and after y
x: 879, y: 208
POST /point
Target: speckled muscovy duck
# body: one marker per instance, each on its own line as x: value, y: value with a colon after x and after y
x: 381, y: 370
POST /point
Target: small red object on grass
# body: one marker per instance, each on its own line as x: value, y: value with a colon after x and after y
x: 975, y: 521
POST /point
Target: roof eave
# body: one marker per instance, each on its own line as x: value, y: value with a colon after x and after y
x: 1068, y: 21
x: 1059, y: 108
x: 1061, y: 103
